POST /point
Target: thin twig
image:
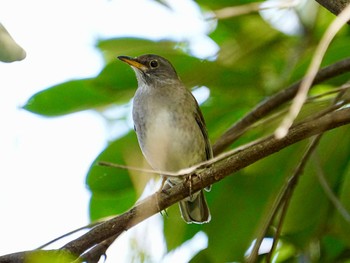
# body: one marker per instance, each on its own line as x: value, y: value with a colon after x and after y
x: 94, y: 254
x: 211, y: 175
x: 187, y: 171
x: 312, y: 146
x: 282, y: 198
x: 216, y: 172
x: 275, y: 116
x: 137, y: 169
x: 285, y: 205
x: 233, y: 11
x: 293, y: 183
x: 68, y: 234
x: 270, y: 104
x: 339, y: 90
x: 320, y: 51
x: 284, y: 191
x: 267, y: 223
x: 180, y: 173
x: 328, y: 191
x: 205, y: 164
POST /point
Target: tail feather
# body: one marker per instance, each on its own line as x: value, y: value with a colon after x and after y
x: 195, y: 210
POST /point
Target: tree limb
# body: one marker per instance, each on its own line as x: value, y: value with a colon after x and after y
x: 334, y: 6
x: 270, y: 104
x: 216, y: 172
x: 221, y: 168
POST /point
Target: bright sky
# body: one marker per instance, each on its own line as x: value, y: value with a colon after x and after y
x: 42, y: 168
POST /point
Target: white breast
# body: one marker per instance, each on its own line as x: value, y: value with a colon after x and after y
x: 167, y: 144
x: 170, y: 137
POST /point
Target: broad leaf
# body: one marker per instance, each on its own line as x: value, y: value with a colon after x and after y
x: 112, y: 189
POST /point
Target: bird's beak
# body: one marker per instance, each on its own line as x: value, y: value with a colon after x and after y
x: 133, y: 62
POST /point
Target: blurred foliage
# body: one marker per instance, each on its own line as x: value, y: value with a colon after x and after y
x: 50, y: 256
x: 110, y: 186
x: 10, y: 51
x: 254, y: 61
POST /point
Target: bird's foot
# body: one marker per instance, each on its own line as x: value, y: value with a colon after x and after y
x: 161, y: 188
x: 189, y: 179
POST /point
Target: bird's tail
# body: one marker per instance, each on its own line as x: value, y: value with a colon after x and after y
x: 195, y: 209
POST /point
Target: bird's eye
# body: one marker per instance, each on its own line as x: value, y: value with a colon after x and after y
x: 153, y: 63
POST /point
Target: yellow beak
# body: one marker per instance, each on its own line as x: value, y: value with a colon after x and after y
x: 133, y: 62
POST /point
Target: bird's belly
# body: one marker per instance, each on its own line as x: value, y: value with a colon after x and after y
x: 172, y: 144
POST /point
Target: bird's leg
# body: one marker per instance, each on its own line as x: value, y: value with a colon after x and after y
x: 159, y: 191
x: 162, y: 184
x: 208, y: 188
x: 189, y: 178
x: 164, y: 213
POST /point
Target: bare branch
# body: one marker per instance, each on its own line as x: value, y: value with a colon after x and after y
x: 238, y: 10
x: 287, y: 190
x: 267, y: 106
x: 216, y: 172
x: 213, y: 171
x: 306, y: 83
x: 94, y: 254
x: 282, y: 200
x: 328, y: 191
x: 334, y: 6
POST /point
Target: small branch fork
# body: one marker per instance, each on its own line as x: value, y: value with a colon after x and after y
x: 94, y: 243
x: 217, y: 171
x: 306, y: 83
x: 283, y: 199
x: 270, y: 104
x: 90, y: 246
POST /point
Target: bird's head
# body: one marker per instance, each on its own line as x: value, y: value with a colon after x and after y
x: 152, y: 69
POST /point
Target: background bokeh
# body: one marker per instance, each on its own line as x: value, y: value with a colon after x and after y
x: 67, y: 104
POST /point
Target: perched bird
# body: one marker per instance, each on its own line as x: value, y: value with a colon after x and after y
x: 170, y: 127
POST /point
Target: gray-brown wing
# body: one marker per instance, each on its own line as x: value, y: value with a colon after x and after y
x: 201, y: 123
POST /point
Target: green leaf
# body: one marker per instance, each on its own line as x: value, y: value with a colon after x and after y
x: 239, y: 205
x: 222, y: 4
x: 310, y: 208
x: 133, y: 47
x: 42, y: 256
x: 176, y: 231
x: 112, y: 189
x: 74, y: 96
x: 112, y: 85
x: 66, y: 98
x: 192, y: 71
x: 333, y: 248
x: 116, y: 83
x: 341, y: 224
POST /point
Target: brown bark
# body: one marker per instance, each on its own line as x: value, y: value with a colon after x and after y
x: 212, y: 174
x: 334, y: 6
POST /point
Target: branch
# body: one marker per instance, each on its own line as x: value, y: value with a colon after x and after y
x: 334, y: 6
x: 219, y: 170
x: 216, y: 172
x: 314, y: 66
x: 94, y: 254
x: 270, y: 104
x: 283, y: 198
x: 328, y: 191
x: 238, y: 10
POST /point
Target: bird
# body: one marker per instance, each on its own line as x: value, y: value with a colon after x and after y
x: 170, y: 127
